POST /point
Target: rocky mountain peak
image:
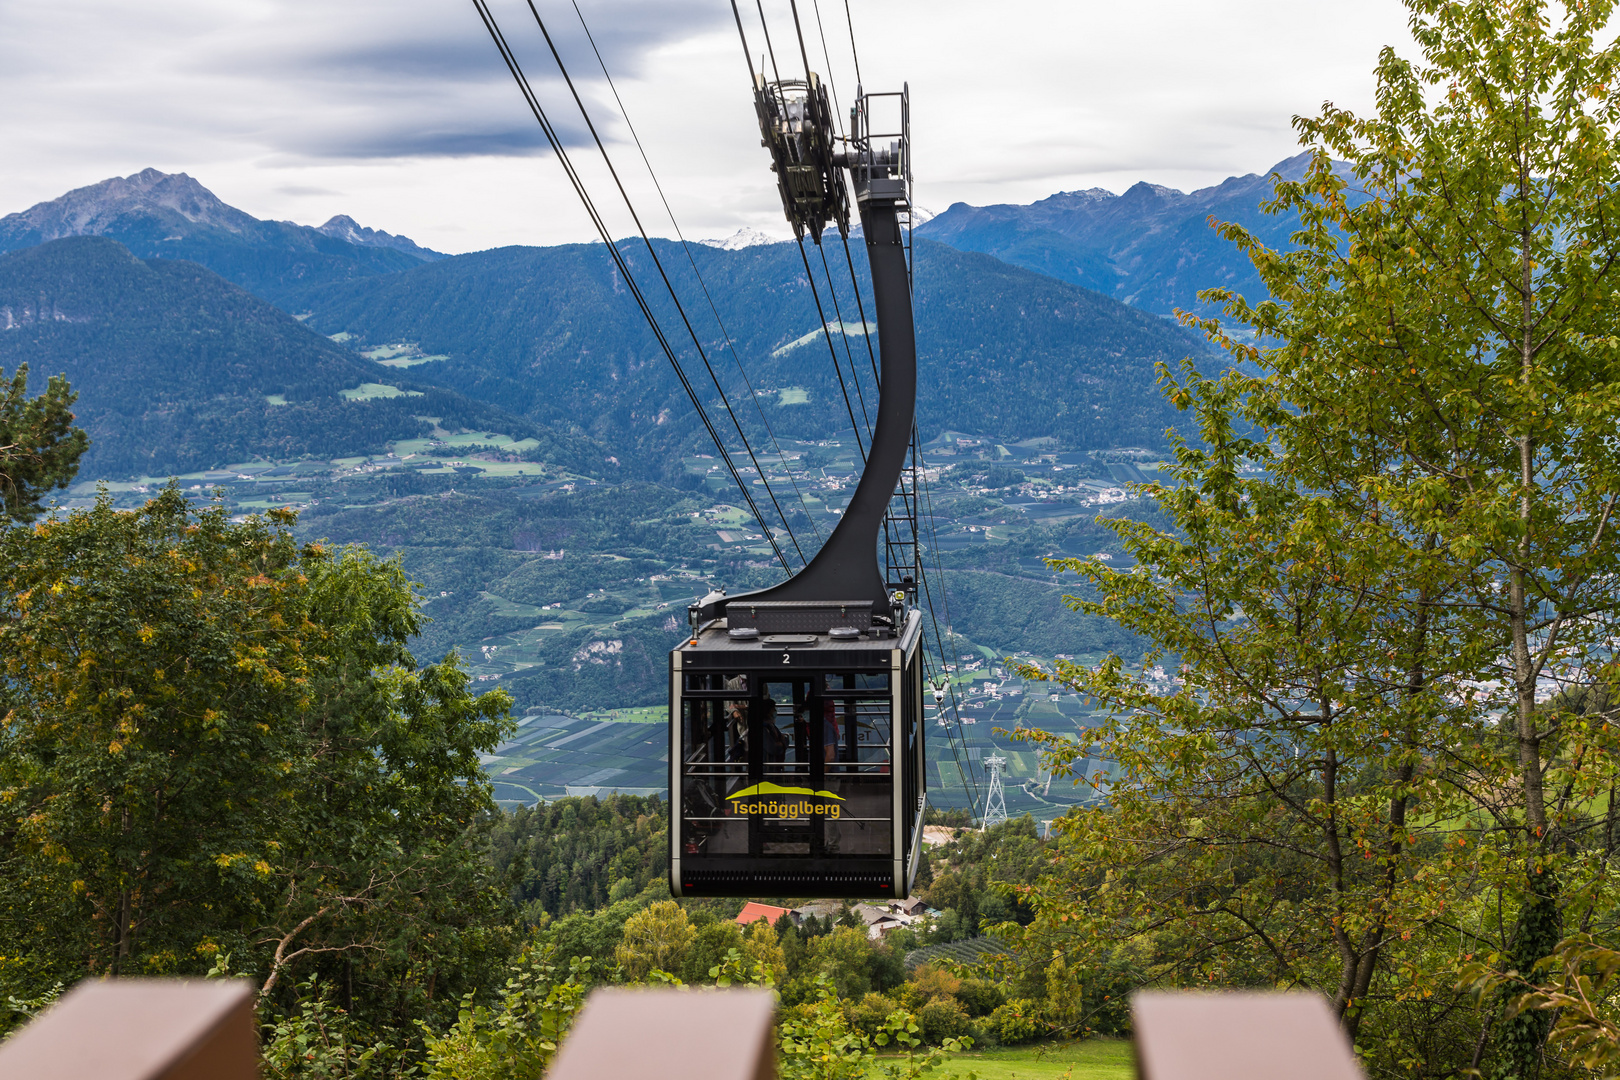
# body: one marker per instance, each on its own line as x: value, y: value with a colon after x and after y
x: 344, y: 227
x: 92, y: 210
x: 171, y: 216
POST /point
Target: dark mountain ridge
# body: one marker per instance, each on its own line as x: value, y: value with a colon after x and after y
x: 551, y: 333
x: 175, y: 367
x: 1151, y: 247
x: 171, y: 216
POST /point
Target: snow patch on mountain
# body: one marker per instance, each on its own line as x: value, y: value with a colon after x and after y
x: 743, y: 238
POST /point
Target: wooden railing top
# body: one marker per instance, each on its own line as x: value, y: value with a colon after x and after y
x: 672, y: 1034
x: 1239, y: 1036
x: 139, y: 1029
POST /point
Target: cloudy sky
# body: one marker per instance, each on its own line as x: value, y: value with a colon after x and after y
x: 401, y: 114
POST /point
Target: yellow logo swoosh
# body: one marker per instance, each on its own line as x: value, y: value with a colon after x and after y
x: 768, y: 788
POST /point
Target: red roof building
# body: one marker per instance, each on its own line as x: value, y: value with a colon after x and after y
x: 752, y: 913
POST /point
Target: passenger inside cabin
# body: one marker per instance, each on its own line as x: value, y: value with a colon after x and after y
x: 830, y: 733
x: 737, y: 731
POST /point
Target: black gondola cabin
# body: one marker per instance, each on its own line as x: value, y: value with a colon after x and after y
x: 798, y: 760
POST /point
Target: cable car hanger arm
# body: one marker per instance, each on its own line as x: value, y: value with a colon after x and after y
x: 796, y: 126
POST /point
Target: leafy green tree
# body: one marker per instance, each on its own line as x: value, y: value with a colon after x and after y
x: 591, y: 935
x: 764, y: 950
x: 1399, y: 530
x: 217, y: 743
x: 516, y: 1038
x: 854, y: 964
x: 39, y: 446
x: 1449, y: 342
x: 709, y: 947
x: 1237, y: 835
x: 656, y: 938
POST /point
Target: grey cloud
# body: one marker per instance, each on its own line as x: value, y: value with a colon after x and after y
x: 438, y: 88
x: 433, y: 121
x: 367, y: 79
x: 405, y: 140
x: 305, y: 189
x: 385, y: 45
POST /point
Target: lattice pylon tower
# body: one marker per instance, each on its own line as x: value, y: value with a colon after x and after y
x: 995, y: 803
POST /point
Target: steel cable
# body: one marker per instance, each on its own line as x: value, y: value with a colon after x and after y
x: 837, y: 367
x: 681, y: 310
x: 724, y: 333
x: 510, y: 59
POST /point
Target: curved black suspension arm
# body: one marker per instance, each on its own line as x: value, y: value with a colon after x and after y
x: 846, y: 569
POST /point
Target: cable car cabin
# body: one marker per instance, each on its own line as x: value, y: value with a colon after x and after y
x: 796, y: 761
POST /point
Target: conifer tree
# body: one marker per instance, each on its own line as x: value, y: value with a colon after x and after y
x: 39, y: 446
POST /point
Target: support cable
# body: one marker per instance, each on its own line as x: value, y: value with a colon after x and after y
x: 955, y: 709
x: 837, y: 367
x: 668, y: 285
x: 849, y: 260
x: 853, y: 54
x: 861, y: 306
x: 685, y: 246
x: 769, y: 48
x: 793, y: 5
x: 950, y: 741
x: 827, y: 56
x: 922, y: 578
x: 748, y: 57
x: 843, y: 334
x: 815, y: 293
x: 617, y: 256
x: 955, y: 731
x: 832, y: 289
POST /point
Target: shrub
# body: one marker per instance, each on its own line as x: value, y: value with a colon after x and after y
x: 1015, y: 1021
x: 514, y: 1040
x: 869, y: 1015
x: 933, y: 982
x: 980, y: 996
x: 943, y: 1018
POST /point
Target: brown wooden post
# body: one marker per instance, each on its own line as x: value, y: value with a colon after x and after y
x: 139, y: 1029
x: 669, y: 1034
x: 1239, y: 1036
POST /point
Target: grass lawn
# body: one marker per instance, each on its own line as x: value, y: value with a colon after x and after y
x: 1093, y: 1059
x: 645, y: 714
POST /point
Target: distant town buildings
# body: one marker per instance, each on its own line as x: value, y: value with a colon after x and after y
x: 877, y: 919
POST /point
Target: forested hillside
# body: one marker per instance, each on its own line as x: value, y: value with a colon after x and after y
x: 177, y: 369
x: 490, y: 563
x: 550, y: 333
